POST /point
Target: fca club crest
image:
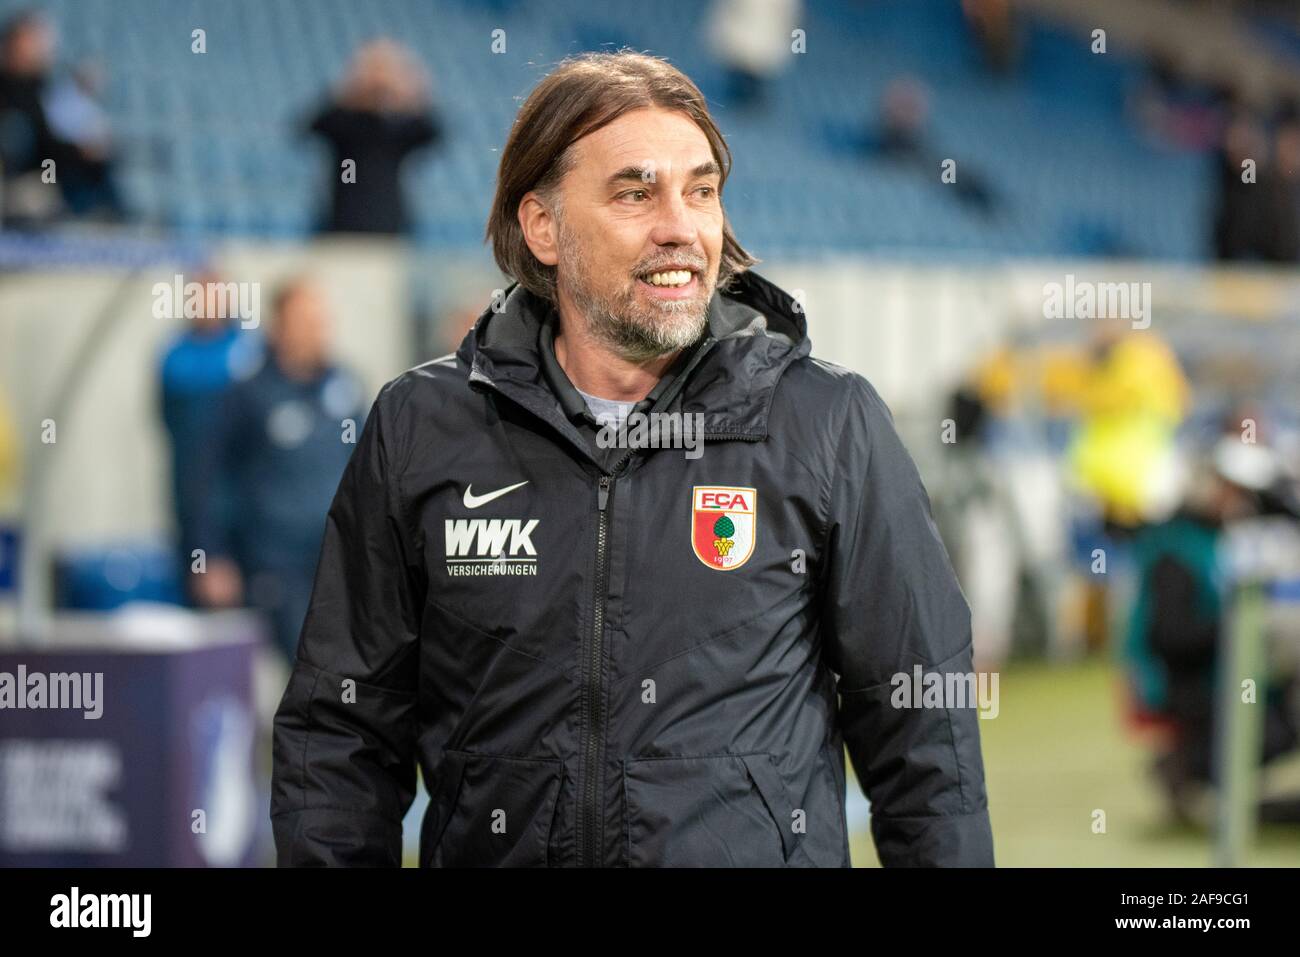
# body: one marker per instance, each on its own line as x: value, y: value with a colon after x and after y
x: 723, y: 525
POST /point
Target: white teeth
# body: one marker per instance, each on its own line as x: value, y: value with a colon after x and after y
x: 675, y: 277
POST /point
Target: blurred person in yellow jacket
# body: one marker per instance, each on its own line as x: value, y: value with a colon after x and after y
x: 1134, y: 396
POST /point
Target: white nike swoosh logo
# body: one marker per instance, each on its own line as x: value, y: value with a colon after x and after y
x: 474, y: 501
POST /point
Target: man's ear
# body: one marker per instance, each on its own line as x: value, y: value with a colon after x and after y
x: 539, y: 230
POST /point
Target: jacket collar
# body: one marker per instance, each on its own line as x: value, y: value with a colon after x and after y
x: 571, y: 401
x: 755, y: 330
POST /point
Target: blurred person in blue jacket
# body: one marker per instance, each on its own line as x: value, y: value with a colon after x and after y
x: 282, y: 440
x: 198, y: 365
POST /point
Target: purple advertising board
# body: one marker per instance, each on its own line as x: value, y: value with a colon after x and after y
x: 129, y: 755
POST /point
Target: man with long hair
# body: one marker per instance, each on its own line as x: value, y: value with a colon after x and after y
x: 604, y: 652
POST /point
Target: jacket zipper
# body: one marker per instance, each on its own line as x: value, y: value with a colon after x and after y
x: 591, y: 828
x: 590, y: 824
x: 590, y: 832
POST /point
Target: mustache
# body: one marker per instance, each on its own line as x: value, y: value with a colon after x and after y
x: 697, y: 267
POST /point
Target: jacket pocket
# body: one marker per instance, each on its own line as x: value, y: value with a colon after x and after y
x: 722, y: 810
x: 493, y: 810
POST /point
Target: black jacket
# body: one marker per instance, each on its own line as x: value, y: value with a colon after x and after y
x: 591, y: 671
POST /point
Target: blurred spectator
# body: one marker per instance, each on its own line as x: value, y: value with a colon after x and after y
x: 26, y: 52
x: 1247, y: 221
x: 991, y: 489
x: 992, y: 24
x: 1122, y: 453
x: 1178, y: 111
x: 380, y: 115
x: 967, y: 504
x: 282, y: 440
x: 752, y: 39
x: 44, y: 116
x: 197, y: 367
x: 1174, y: 629
x: 76, y: 117
x: 1286, y: 182
x: 901, y: 135
x: 904, y: 112
x: 1135, y: 395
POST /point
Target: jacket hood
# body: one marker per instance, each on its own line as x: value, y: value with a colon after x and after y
x: 755, y: 330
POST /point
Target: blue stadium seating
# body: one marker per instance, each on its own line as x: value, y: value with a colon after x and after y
x: 211, y: 143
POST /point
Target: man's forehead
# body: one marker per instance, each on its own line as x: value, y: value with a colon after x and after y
x: 666, y: 146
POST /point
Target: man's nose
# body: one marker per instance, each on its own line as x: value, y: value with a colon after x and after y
x: 674, y: 222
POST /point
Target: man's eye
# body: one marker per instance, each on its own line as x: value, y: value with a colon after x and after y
x: 708, y: 190
x: 631, y: 191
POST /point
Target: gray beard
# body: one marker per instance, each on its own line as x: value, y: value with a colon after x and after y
x: 634, y: 339
x: 621, y: 326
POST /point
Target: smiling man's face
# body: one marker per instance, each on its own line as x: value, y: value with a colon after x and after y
x: 639, y: 233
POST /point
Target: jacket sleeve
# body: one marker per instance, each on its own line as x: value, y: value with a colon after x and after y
x: 344, y: 735
x: 891, y: 602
